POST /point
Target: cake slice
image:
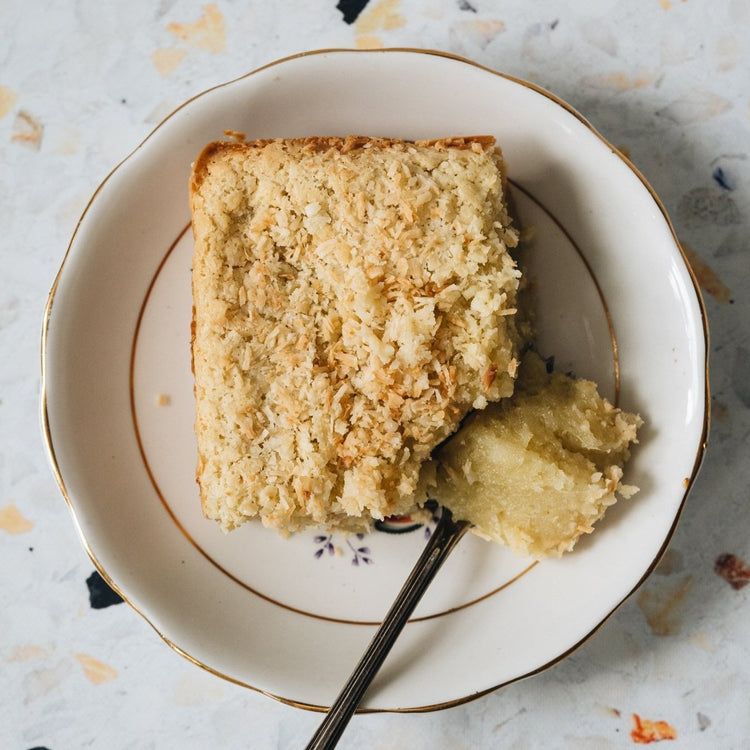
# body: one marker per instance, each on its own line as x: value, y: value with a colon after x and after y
x: 353, y: 298
x: 536, y: 471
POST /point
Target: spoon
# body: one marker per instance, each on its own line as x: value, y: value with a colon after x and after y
x: 444, y: 538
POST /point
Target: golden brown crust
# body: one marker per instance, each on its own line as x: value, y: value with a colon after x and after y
x: 324, y: 143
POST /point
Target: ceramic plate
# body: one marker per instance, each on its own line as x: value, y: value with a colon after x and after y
x: 290, y: 617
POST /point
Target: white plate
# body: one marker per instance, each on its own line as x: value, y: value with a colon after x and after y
x: 291, y: 617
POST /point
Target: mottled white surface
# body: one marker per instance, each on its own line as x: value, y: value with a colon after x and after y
x: 82, y: 83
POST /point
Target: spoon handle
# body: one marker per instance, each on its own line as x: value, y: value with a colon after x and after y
x: 444, y: 538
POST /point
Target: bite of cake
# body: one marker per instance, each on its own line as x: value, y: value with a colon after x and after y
x: 536, y: 471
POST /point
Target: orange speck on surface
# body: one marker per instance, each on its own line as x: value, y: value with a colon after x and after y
x: 620, y: 81
x: 95, y: 670
x: 8, y: 99
x: 646, y: 731
x: 366, y: 41
x: 208, y: 32
x: 706, y: 276
x: 28, y: 651
x: 167, y: 59
x: 27, y: 130
x: 478, y: 31
x: 383, y: 16
x: 492, y: 26
x: 13, y: 522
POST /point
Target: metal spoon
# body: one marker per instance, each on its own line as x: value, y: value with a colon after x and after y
x: 444, y: 538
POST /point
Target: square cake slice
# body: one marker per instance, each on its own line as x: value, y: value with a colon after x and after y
x: 353, y: 299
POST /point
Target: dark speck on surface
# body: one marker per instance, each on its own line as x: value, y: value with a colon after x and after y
x: 100, y: 593
x: 467, y: 6
x: 724, y: 179
x: 351, y: 9
x: 734, y: 570
x: 703, y: 722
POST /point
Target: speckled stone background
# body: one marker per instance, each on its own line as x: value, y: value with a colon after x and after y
x: 83, y: 82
